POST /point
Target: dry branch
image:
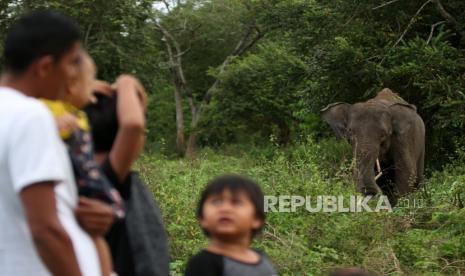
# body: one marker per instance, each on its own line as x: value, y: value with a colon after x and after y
x: 412, y: 20
x: 385, y: 4
x: 432, y: 31
x: 242, y: 46
x: 449, y: 18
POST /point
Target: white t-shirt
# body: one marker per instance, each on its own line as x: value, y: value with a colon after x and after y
x: 31, y: 151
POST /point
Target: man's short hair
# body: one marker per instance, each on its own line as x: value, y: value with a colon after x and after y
x: 234, y: 183
x: 37, y: 34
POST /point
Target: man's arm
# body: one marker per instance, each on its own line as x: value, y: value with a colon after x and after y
x: 94, y: 216
x: 50, y: 238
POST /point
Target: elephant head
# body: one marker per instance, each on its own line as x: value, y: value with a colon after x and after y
x: 371, y: 128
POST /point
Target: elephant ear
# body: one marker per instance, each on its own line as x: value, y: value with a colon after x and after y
x: 336, y: 115
x: 401, y: 120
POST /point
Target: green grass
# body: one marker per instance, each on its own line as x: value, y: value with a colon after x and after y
x: 412, y: 241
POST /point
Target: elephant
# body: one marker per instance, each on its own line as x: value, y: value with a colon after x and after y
x: 385, y: 130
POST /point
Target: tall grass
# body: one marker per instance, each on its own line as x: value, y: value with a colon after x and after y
x: 422, y: 240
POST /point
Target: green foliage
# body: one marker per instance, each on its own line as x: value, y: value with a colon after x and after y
x: 259, y: 93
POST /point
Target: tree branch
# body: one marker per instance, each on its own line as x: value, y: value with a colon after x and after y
x: 385, y: 4
x: 178, y: 56
x: 182, y: 53
x: 167, y: 6
x: 432, y: 31
x: 246, y: 46
x: 447, y: 16
x: 241, y: 47
x: 86, y: 38
x: 412, y: 20
x: 193, y: 107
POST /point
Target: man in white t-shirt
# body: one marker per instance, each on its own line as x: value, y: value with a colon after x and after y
x: 40, y: 233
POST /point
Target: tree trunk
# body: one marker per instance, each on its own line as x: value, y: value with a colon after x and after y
x: 191, y: 150
x: 179, y: 83
x: 180, y: 139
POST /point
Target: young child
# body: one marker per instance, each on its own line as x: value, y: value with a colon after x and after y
x: 75, y: 131
x: 231, y: 213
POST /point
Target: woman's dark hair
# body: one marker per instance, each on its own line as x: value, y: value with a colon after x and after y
x: 38, y: 34
x: 103, y: 120
x: 234, y: 183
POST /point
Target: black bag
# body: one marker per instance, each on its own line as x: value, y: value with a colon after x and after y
x: 147, y: 236
x: 138, y: 242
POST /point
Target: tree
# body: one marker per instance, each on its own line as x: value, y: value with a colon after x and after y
x: 186, y: 30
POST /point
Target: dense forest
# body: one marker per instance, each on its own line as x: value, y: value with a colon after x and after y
x: 238, y: 86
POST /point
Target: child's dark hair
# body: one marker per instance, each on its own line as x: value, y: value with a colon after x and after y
x: 234, y: 183
x: 37, y: 34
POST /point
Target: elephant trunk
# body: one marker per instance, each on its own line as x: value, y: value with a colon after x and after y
x: 364, y: 172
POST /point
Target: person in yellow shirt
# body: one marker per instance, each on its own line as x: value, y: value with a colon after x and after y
x: 75, y: 131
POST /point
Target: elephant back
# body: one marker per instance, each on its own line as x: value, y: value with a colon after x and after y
x: 389, y: 98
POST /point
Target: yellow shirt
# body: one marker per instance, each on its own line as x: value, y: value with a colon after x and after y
x: 60, y: 108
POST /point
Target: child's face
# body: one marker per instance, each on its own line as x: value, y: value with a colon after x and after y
x: 80, y: 89
x: 229, y: 215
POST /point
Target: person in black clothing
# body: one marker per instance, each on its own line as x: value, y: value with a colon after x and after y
x: 231, y: 213
x: 138, y: 242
